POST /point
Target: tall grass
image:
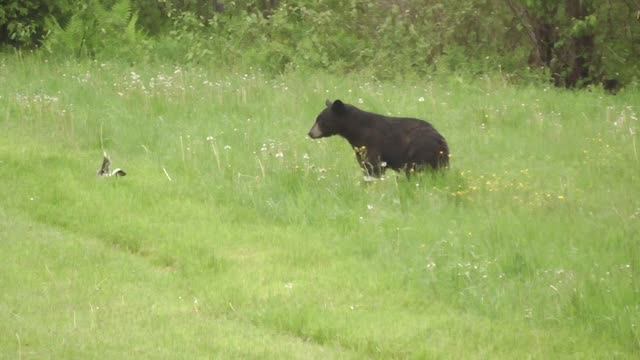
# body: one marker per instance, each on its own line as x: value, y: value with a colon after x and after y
x: 232, y: 222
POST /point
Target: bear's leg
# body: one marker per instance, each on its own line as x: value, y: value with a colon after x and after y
x: 370, y: 163
x: 411, y: 169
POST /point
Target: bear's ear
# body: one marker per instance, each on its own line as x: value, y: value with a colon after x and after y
x: 328, y: 103
x: 338, y: 107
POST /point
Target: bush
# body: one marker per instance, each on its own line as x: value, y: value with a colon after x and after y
x: 23, y: 22
x: 97, y: 32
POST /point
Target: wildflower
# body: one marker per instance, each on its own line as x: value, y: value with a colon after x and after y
x: 279, y: 154
x: 421, y: 99
x: 209, y: 138
x: 360, y: 101
x: 305, y: 156
x: 370, y: 207
x: 227, y: 147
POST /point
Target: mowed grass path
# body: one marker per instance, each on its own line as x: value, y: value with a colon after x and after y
x: 236, y: 236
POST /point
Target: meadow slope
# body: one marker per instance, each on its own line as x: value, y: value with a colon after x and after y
x: 236, y: 236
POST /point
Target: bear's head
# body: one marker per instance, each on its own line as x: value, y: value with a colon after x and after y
x: 329, y: 121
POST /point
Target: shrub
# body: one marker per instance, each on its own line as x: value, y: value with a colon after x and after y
x: 95, y: 31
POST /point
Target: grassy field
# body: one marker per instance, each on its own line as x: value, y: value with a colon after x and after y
x: 236, y: 236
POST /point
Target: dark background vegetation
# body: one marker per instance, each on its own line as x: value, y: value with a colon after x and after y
x: 572, y: 43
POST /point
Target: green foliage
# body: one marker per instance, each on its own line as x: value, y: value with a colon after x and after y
x: 152, y: 16
x: 95, y: 31
x: 384, y: 39
x: 23, y: 22
x: 617, y: 36
x: 582, y: 42
x: 574, y: 42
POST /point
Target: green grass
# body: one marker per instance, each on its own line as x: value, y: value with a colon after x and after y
x: 236, y: 236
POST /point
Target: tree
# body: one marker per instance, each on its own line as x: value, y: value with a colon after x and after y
x: 570, y: 39
x: 22, y: 22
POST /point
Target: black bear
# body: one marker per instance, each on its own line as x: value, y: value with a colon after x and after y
x: 383, y: 142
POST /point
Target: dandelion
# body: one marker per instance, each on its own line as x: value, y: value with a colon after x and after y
x: 560, y: 197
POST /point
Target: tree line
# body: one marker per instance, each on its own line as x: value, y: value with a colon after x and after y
x: 575, y: 43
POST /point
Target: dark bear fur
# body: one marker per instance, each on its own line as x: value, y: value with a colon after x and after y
x: 383, y: 142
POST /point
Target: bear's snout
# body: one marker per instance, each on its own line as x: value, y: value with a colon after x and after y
x: 315, y: 131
